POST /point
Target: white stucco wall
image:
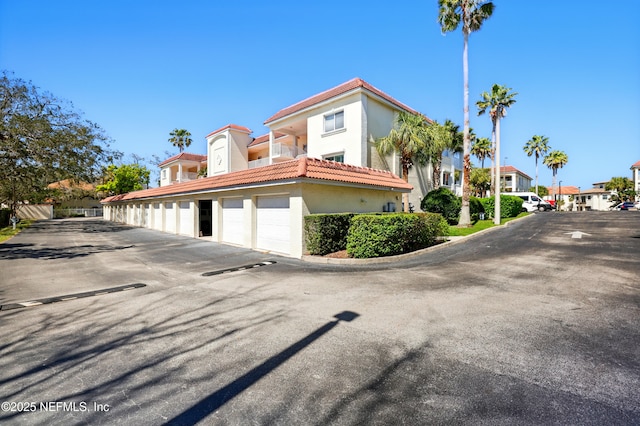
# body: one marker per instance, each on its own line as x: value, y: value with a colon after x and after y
x: 347, y: 140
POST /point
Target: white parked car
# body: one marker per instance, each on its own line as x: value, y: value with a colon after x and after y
x: 531, y: 202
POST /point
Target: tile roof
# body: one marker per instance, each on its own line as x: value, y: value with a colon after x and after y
x: 70, y: 184
x: 636, y: 164
x: 304, y: 167
x: 356, y: 83
x: 566, y: 190
x: 231, y: 126
x: 184, y: 156
x: 511, y: 169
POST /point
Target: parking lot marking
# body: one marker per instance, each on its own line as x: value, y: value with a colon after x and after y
x: 238, y: 268
x: 67, y: 297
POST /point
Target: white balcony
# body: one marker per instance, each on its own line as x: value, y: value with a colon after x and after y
x: 280, y: 152
x: 258, y: 163
x: 283, y: 151
x: 185, y: 177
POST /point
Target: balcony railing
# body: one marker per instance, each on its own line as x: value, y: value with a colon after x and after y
x: 258, y: 163
x: 185, y: 177
x: 279, y: 152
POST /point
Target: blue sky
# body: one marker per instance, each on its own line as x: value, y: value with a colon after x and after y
x: 142, y: 68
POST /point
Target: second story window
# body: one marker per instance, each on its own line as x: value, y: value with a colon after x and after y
x: 335, y: 157
x: 334, y: 121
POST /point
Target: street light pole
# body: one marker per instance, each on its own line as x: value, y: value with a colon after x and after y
x: 557, y: 206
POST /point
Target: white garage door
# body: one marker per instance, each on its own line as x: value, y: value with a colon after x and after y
x: 157, y: 217
x: 232, y: 221
x: 273, y: 224
x: 169, y: 217
x: 186, y: 218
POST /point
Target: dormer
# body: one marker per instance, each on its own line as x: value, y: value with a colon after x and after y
x: 227, y: 149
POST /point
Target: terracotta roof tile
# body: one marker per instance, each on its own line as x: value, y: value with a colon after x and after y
x: 350, y: 85
x: 636, y: 164
x: 511, y: 169
x: 231, y: 126
x: 566, y: 190
x: 304, y: 167
x: 184, y: 156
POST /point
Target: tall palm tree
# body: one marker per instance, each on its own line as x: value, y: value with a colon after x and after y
x: 538, y: 146
x: 472, y: 14
x: 496, y: 103
x: 481, y: 149
x: 407, y: 138
x: 555, y: 160
x: 180, y: 138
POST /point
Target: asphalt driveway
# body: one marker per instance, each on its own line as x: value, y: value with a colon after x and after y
x: 535, y: 323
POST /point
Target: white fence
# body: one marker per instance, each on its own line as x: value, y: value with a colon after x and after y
x: 95, y: 212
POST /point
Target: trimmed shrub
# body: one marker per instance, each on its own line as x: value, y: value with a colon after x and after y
x: 510, y: 206
x: 386, y: 235
x: 442, y: 201
x: 5, y: 215
x: 326, y: 233
x: 475, y: 208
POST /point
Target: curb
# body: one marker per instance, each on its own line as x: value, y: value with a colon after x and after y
x: 399, y: 257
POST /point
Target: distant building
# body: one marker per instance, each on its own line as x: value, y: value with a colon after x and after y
x: 574, y: 198
x: 514, y: 180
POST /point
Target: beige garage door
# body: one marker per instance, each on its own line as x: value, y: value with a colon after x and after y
x: 273, y: 224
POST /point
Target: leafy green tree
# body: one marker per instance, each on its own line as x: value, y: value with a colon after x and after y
x: 497, y: 102
x: 472, y: 14
x: 43, y: 140
x: 124, y: 178
x: 180, y: 138
x: 407, y: 138
x: 481, y: 148
x: 541, y: 190
x: 537, y: 146
x: 555, y: 160
x: 623, y: 187
x: 480, y: 181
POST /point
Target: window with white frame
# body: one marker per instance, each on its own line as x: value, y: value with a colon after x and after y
x: 334, y: 121
x: 335, y: 157
x: 164, y: 174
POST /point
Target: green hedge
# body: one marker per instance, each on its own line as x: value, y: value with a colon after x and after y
x: 475, y: 208
x: 5, y: 215
x: 372, y: 235
x: 510, y: 206
x: 442, y: 201
x: 326, y: 233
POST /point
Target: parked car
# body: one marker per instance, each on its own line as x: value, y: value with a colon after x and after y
x: 624, y: 206
x: 531, y: 202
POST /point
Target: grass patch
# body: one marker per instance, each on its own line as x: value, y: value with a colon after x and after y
x: 480, y: 225
x: 8, y: 232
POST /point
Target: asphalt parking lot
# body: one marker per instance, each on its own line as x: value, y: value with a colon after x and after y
x: 534, y: 323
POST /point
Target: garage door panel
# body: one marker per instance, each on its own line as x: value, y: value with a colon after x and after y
x: 233, y: 221
x: 273, y: 224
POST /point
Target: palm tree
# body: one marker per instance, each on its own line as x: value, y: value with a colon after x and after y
x: 407, y: 138
x: 180, y: 138
x: 472, y: 13
x: 538, y: 146
x: 623, y: 188
x: 496, y: 103
x: 481, y: 149
x: 555, y: 160
x: 442, y: 137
